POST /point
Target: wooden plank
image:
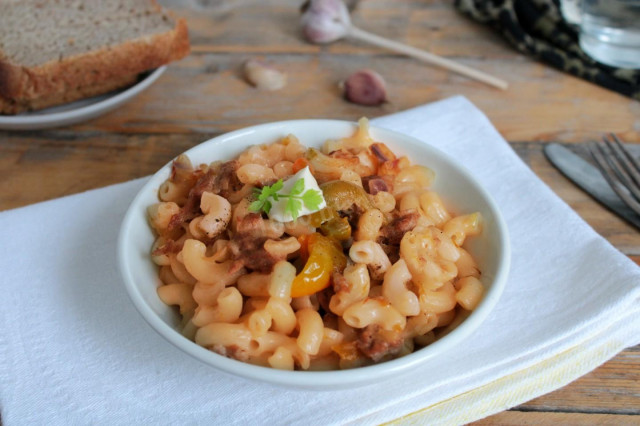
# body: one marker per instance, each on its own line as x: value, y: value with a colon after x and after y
x: 270, y: 27
x: 217, y: 99
x: 44, y: 165
x: 622, y: 235
x: 509, y: 418
x: 612, y: 388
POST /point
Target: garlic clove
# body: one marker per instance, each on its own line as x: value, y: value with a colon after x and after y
x: 325, y: 21
x: 264, y: 76
x: 365, y: 87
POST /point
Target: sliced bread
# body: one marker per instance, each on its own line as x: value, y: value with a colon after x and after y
x: 10, y: 107
x: 57, y: 51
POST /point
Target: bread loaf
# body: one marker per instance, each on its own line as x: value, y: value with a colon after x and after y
x: 58, y: 51
x: 8, y: 107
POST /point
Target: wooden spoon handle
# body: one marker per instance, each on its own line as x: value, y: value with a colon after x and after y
x: 427, y: 57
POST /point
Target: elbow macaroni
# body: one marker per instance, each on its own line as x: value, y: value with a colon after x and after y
x: 371, y: 254
x: 395, y: 293
x: 394, y: 289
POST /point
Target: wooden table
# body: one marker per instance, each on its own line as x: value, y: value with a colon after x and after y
x: 204, y: 95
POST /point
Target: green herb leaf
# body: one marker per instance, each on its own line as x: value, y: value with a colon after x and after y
x: 293, y: 207
x: 256, y: 206
x: 277, y: 186
x: 297, y: 188
x: 312, y: 199
x: 264, y: 194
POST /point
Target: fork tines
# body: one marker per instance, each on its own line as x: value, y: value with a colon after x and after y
x: 619, y: 168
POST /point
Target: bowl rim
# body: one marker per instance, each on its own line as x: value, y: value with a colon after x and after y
x: 315, y: 379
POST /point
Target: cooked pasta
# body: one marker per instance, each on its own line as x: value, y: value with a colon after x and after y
x: 374, y: 275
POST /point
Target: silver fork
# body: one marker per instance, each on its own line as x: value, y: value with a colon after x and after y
x: 619, y: 168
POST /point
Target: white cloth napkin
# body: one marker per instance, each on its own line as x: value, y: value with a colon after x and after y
x: 73, y: 350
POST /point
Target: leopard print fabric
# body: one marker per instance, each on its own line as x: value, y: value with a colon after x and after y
x: 537, y: 28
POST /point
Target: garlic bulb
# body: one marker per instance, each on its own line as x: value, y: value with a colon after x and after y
x: 365, y: 87
x: 264, y: 76
x: 325, y: 21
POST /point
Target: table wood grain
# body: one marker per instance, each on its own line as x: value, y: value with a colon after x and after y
x: 205, y: 95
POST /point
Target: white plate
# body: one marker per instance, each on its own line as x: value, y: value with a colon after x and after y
x: 76, y: 112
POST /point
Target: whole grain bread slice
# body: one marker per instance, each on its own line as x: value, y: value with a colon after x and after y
x: 55, y: 51
x: 10, y: 107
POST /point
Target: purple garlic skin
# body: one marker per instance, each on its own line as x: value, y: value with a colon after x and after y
x: 365, y: 87
x: 325, y: 21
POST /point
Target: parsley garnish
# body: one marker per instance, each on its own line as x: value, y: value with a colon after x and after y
x: 296, y: 198
x: 263, y: 203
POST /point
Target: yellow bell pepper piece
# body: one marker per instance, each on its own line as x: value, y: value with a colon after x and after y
x: 325, y: 255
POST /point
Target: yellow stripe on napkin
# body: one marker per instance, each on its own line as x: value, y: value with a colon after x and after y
x: 516, y: 388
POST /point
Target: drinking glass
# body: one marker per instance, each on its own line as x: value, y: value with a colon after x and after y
x: 610, y: 31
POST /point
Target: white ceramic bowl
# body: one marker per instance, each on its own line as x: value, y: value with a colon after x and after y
x: 455, y: 184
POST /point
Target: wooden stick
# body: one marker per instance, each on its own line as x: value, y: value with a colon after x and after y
x: 425, y: 56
